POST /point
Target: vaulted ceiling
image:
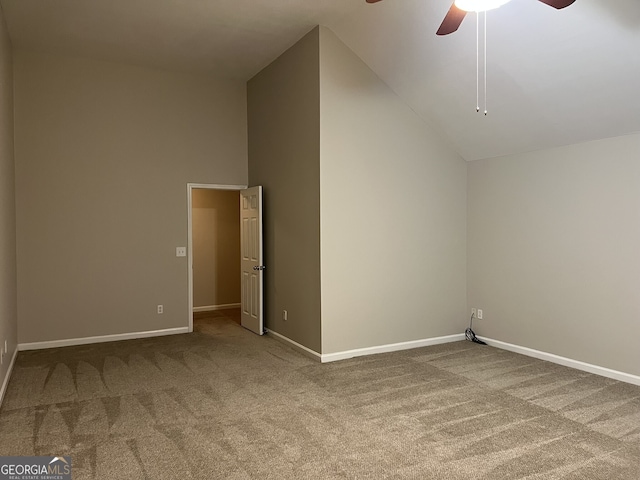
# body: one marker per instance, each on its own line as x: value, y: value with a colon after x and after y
x: 554, y: 77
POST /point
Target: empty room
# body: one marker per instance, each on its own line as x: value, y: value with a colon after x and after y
x: 332, y: 239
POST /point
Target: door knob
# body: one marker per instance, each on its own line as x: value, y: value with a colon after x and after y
x: 259, y: 267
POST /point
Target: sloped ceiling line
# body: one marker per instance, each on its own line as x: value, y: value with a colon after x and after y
x: 555, y: 77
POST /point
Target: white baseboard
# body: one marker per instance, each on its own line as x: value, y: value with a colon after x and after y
x: 392, y: 347
x: 567, y: 362
x: 7, y: 377
x: 101, y: 339
x: 300, y: 348
x: 211, y: 308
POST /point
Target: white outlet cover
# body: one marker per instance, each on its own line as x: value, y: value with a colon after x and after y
x: 181, y: 251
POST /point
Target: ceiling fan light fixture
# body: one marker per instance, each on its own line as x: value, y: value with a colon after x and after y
x: 479, y: 5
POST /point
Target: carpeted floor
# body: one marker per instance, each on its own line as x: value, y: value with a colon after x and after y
x: 222, y: 403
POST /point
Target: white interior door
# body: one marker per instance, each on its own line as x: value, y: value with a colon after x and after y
x: 251, y: 262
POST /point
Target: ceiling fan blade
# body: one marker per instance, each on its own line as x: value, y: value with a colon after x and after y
x: 373, y: 1
x: 556, y: 3
x: 452, y: 20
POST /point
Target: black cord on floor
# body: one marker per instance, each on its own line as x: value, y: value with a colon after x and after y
x: 470, y: 335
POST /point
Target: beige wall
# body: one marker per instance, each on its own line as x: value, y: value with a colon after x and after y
x: 554, y: 242
x: 412, y: 237
x: 393, y: 214
x: 216, y: 247
x: 103, y: 155
x: 284, y: 150
x: 8, y: 314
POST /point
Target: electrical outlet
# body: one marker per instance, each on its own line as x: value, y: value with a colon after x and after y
x: 285, y: 315
x: 160, y: 309
x: 181, y: 251
x: 479, y: 314
x: 473, y: 312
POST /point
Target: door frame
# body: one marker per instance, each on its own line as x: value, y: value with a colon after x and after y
x: 190, y: 188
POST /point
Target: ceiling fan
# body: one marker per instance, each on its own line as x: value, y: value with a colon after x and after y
x: 459, y: 9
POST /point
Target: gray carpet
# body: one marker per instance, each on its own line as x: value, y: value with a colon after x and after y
x: 224, y: 403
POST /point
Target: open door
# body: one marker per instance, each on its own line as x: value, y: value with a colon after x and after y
x: 251, y: 262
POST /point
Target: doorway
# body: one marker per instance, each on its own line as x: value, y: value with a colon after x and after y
x: 213, y: 247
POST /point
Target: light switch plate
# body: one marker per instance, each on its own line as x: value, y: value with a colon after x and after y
x: 181, y: 251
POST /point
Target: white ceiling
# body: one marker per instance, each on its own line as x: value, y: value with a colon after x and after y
x: 555, y: 77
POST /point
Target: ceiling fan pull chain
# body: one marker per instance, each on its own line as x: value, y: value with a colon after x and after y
x: 485, y: 62
x: 477, y: 62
